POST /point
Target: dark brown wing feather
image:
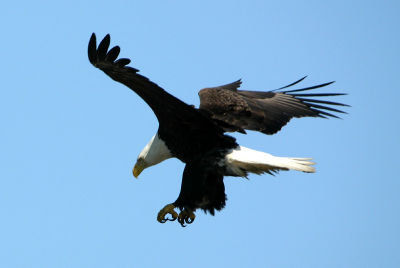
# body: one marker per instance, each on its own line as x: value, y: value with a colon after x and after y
x: 268, y: 111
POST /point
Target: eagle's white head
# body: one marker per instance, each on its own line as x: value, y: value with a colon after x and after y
x: 153, y: 153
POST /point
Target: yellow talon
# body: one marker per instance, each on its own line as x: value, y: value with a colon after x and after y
x: 186, y: 216
x: 168, y: 209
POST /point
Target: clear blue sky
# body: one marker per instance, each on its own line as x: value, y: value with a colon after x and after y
x: 70, y: 135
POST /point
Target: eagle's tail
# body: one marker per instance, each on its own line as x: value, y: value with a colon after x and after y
x: 242, y: 160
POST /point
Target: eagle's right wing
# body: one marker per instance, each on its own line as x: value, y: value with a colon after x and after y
x: 168, y: 109
x: 161, y: 102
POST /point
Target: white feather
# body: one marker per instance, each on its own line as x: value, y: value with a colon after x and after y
x: 154, y: 152
x: 242, y: 160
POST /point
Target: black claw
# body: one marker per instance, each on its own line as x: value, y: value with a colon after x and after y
x: 170, y: 219
x: 182, y: 223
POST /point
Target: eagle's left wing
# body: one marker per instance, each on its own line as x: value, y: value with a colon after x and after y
x: 268, y: 111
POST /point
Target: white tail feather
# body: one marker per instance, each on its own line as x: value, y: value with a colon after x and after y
x: 242, y: 160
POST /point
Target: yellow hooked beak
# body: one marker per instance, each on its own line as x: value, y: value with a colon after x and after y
x: 137, y: 169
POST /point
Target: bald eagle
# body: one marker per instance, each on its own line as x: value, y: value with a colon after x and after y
x: 196, y: 136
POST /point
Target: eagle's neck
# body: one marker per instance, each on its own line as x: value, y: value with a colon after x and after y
x: 155, y: 151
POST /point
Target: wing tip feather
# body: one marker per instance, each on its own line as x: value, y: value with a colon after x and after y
x: 92, y: 49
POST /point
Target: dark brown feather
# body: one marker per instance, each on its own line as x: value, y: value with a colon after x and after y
x: 266, y: 111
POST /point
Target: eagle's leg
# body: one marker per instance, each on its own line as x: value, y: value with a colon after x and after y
x: 186, y: 216
x: 168, y: 209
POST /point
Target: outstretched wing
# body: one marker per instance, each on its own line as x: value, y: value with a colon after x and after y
x: 266, y: 112
x: 161, y: 102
